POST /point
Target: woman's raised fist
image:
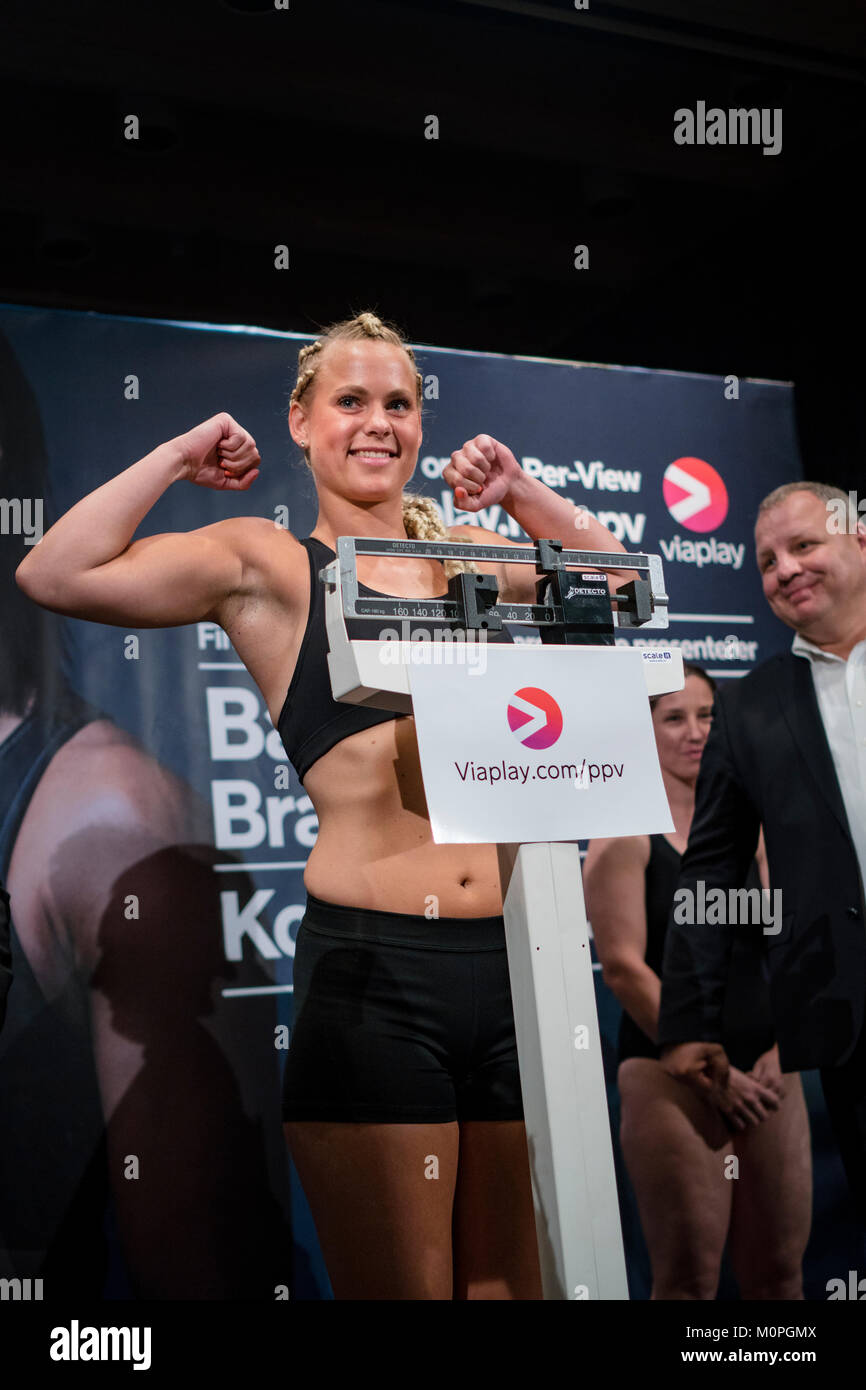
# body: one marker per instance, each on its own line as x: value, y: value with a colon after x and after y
x: 219, y: 453
x: 481, y: 473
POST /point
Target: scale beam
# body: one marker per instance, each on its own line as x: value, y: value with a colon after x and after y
x: 540, y: 615
x: 374, y: 670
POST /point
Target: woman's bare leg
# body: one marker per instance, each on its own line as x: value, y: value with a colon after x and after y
x: 381, y: 1204
x: 674, y: 1146
x: 495, y: 1249
x: 772, y: 1208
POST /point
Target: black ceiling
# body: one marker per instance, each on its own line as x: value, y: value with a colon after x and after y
x: 305, y: 126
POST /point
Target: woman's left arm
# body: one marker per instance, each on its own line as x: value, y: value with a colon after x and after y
x: 485, y: 472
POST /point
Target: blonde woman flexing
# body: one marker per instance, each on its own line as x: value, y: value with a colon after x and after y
x: 402, y: 1101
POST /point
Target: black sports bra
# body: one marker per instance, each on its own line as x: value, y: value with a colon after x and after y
x: 311, y: 721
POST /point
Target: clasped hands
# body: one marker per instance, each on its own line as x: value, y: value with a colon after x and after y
x: 742, y: 1098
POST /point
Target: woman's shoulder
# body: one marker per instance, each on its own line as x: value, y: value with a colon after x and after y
x: 260, y: 542
x: 246, y: 530
x: 618, y: 852
x: 275, y: 577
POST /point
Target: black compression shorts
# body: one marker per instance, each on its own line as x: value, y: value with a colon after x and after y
x: 400, y: 1019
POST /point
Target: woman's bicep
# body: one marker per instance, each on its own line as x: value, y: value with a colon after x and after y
x: 159, y: 581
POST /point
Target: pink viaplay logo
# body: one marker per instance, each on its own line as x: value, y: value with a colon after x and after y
x: 535, y: 717
x: 695, y: 495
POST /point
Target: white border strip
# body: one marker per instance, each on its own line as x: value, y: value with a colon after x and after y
x: 258, y: 989
x: 710, y: 618
x: 244, y: 867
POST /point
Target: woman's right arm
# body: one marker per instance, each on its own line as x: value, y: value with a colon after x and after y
x: 88, y: 566
x: 613, y: 882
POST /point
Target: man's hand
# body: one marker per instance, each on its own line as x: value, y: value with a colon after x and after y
x: 703, y: 1065
x: 481, y: 473
x: 742, y: 1099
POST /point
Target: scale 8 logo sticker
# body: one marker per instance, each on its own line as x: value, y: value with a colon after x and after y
x: 694, y: 494
x: 535, y: 717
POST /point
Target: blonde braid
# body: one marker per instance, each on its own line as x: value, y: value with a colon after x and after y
x: 423, y: 522
x: 306, y: 368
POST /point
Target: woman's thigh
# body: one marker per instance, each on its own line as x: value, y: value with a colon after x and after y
x: 381, y: 1196
x: 495, y: 1247
x: 675, y: 1146
x: 772, y: 1208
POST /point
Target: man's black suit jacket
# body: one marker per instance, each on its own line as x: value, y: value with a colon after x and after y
x: 767, y: 762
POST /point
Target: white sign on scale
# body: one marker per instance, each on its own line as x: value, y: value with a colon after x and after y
x: 568, y: 757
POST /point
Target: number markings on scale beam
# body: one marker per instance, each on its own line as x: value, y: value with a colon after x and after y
x: 458, y: 550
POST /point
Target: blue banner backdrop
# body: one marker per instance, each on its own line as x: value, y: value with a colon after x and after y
x: 671, y: 462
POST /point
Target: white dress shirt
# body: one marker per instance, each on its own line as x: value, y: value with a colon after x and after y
x: 840, y: 688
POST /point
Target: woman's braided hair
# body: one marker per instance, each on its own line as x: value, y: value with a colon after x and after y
x: 421, y: 517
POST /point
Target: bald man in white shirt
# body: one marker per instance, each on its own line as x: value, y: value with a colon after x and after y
x: 788, y: 751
